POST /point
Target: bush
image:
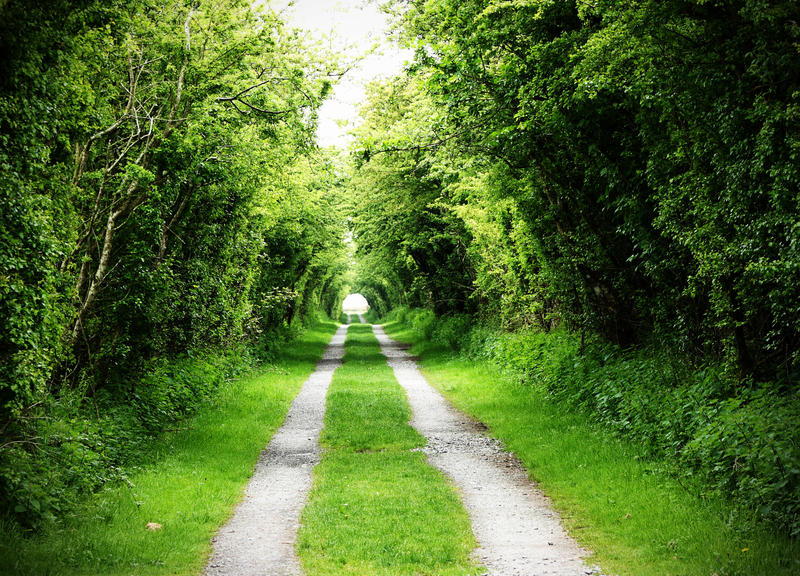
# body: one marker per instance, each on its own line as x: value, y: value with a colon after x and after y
x: 266, y: 346
x: 371, y: 317
x: 172, y: 390
x: 72, y: 445
x: 451, y: 331
x: 740, y: 440
x: 749, y: 449
x: 422, y: 322
x: 399, y: 314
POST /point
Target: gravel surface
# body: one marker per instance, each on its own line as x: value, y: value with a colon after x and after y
x: 259, y: 538
x: 518, y: 532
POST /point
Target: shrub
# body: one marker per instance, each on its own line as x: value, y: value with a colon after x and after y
x: 749, y: 449
x: 422, y: 322
x: 738, y: 439
x: 172, y: 390
x: 75, y: 444
x: 450, y: 331
x: 269, y: 342
x: 399, y: 314
x: 371, y: 317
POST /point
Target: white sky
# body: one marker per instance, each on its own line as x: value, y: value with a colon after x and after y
x: 359, y: 28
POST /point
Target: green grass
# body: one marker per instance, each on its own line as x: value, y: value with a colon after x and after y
x: 366, y: 408
x: 376, y: 506
x: 637, y: 519
x: 189, y: 483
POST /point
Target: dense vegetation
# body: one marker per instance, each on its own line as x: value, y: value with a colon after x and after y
x: 624, y: 176
x: 164, y: 210
x: 614, y: 184
x: 634, y: 509
x: 188, y: 480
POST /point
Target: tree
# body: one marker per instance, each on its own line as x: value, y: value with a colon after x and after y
x: 144, y: 211
x: 400, y: 219
x: 646, y: 147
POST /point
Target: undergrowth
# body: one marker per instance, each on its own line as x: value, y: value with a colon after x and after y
x: 67, y: 446
x: 739, y: 440
x: 371, y: 317
x: 187, y: 478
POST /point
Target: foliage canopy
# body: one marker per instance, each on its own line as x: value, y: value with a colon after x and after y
x: 625, y: 170
x: 161, y: 196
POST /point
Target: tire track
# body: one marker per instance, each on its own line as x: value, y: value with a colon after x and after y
x: 518, y: 532
x: 259, y: 538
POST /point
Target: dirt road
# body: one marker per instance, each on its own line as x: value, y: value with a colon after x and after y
x: 517, y: 531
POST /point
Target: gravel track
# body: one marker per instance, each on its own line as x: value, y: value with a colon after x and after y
x: 259, y: 538
x: 518, y: 532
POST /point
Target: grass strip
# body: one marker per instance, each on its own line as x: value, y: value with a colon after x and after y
x: 638, y: 520
x: 189, y: 484
x: 376, y: 506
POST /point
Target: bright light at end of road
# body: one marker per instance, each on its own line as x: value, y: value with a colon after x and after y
x: 355, y: 303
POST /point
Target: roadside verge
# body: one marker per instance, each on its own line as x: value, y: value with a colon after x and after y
x: 638, y: 520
